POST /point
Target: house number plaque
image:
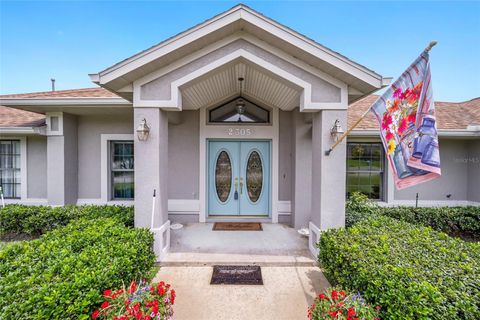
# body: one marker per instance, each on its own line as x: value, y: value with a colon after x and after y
x: 240, y: 132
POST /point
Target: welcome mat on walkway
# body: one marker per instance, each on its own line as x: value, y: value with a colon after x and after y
x: 237, y: 275
x: 237, y: 226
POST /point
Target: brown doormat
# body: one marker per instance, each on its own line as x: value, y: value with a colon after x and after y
x: 237, y: 226
x: 237, y: 275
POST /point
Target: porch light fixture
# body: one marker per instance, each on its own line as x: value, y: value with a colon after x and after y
x: 143, y: 130
x: 336, y: 131
x: 240, y: 105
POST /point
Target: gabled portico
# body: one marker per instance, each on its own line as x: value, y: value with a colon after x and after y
x: 192, y: 161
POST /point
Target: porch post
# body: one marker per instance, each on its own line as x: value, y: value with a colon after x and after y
x: 151, y: 173
x: 328, y: 175
x: 62, y: 161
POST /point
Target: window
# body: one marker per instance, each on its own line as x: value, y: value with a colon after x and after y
x: 365, y: 169
x: 122, y: 173
x: 239, y: 110
x: 10, y: 168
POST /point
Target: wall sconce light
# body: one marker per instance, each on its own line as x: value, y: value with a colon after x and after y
x: 143, y: 130
x: 337, y: 134
x: 336, y: 131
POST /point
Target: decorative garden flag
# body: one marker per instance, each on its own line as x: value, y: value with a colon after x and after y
x: 406, y: 114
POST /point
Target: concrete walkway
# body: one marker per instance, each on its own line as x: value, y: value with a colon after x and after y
x: 286, y: 294
x: 290, y: 274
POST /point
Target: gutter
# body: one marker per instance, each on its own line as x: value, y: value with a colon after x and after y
x: 67, y: 102
x: 21, y: 130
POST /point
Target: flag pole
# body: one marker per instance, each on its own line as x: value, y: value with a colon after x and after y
x: 327, y: 153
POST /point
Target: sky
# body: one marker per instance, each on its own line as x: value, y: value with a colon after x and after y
x: 67, y: 40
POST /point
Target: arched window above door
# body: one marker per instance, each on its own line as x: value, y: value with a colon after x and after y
x: 239, y: 110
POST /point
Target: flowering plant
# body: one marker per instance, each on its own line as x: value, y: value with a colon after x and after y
x: 336, y: 304
x: 400, y: 113
x: 140, y: 301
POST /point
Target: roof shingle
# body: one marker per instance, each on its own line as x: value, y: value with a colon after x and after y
x: 450, y: 115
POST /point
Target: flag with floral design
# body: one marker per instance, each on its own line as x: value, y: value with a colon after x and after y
x: 406, y: 114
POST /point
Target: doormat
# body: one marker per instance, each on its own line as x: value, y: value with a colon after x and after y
x: 237, y: 275
x: 237, y: 226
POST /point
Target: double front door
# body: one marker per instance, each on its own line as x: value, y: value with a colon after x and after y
x: 239, y: 178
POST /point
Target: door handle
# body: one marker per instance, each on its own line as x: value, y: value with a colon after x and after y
x: 241, y: 185
x: 235, y: 194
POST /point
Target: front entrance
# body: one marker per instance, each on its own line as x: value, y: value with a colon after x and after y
x: 239, y: 178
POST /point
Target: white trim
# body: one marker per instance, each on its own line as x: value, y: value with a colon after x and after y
x: 161, y: 247
x: 28, y: 201
x: 104, y: 159
x: 183, y: 206
x: 237, y: 13
x: 430, y: 203
x: 48, y: 121
x: 175, y: 101
x: 284, y: 208
x: 23, y: 168
x: 100, y: 202
x: 264, y: 132
x: 314, y: 231
x: 66, y: 102
x: 17, y: 130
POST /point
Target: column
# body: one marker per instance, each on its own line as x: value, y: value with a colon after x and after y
x: 328, y: 172
x: 62, y: 159
x: 151, y: 168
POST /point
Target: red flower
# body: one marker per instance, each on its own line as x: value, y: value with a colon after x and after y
x: 333, y: 314
x: 107, y: 293
x: 132, y: 288
x: 351, y: 312
x: 172, y: 296
x: 322, y: 296
x: 105, y: 304
x: 402, y: 126
x: 389, y: 135
x: 334, y: 295
x: 340, y: 304
x: 412, y: 117
x: 387, y: 120
x: 342, y: 293
x: 161, y: 290
x: 95, y: 314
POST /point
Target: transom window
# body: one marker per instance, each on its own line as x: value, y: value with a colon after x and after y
x: 365, y: 169
x: 122, y: 170
x: 239, y: 110
x: 10, y: 168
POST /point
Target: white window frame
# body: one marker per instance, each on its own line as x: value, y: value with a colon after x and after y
x: 23, y: 168
x: 106, y: 139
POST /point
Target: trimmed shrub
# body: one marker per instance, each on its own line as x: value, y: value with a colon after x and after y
x: 62, y: 274
x: 336, y: 304
x: 358, y: 207
x: 456, y: 221
x: 36, y: 220
x: 412, y: 271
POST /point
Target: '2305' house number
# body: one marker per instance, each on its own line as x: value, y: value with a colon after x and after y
x: 240, y: 132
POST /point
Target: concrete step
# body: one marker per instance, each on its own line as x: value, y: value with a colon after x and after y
x: 190, y: 259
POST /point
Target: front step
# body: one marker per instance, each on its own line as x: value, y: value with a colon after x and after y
x: 183, y: 259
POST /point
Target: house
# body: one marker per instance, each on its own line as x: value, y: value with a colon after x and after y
x: 228, y: 120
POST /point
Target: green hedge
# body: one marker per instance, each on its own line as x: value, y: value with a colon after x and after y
x: 62, y: 274
x: 36, y: 220
x: 412, y: 272
x: 455, y: 221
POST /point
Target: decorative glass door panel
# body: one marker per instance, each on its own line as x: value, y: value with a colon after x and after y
x: 239, y: 178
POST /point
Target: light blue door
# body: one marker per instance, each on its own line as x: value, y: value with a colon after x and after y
x: 239, y: 178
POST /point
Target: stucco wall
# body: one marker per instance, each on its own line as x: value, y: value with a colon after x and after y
x: 90, y: 129
x: 37, y: 167
x: 183, y: 155
x: 159, y: 89
x: 285, y: 156
x: 454, y: 179
x: 473, y: 188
